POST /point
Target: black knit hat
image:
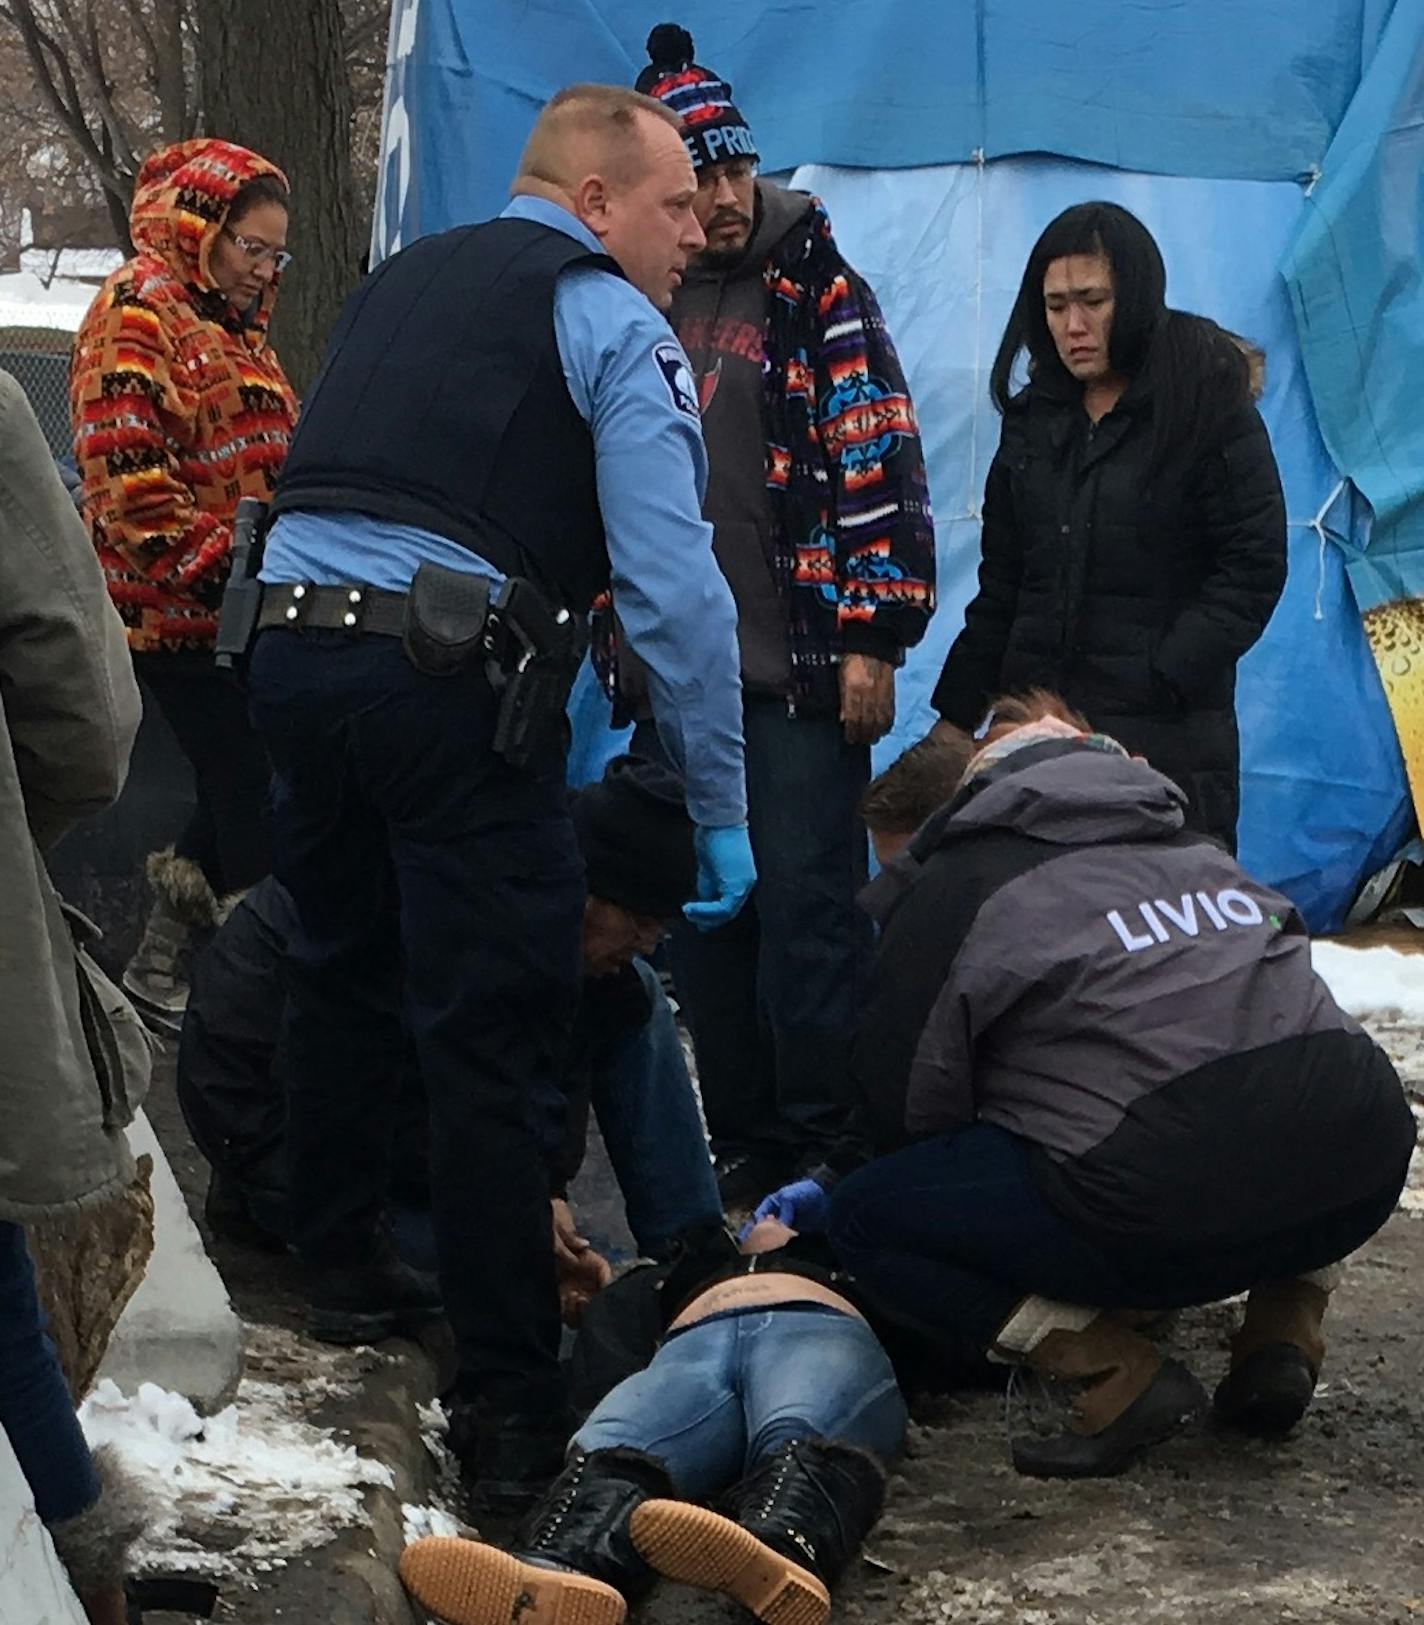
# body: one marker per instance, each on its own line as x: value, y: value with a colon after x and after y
x: 636, y: 838
x: 713, y: 131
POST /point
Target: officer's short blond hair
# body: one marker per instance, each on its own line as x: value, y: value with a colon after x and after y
x: 588, y: 129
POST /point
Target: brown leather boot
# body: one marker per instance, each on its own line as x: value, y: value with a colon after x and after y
x: 1275, y: 1359
x: 1125, y: 1398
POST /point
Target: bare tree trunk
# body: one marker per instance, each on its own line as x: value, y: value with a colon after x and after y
x: 275, y: 80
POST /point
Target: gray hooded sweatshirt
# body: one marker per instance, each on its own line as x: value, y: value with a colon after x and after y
x: 1058, y: 957
x: 719, y: 314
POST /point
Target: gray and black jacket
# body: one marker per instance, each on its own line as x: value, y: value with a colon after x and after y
x: 1059, y: 957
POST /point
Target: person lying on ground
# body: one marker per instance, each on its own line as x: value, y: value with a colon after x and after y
x: 1105, y: 1077
x: 626, y: 1060
x: 769, y: 1388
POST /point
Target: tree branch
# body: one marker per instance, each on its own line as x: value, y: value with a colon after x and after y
x: 145, y: 35
x: 360, y: 34
x: 40, y: 48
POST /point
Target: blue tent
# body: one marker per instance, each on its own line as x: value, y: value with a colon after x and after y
x: 1274, y: 147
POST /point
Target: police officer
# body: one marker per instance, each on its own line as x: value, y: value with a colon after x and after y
x: 503, y: 424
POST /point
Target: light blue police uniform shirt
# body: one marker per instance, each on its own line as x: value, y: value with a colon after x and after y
x: 630, y: 381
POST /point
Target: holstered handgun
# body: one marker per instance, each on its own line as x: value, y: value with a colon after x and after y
x: 535, y: 652
x: 242, y: 596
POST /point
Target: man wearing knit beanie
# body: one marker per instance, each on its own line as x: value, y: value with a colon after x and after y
x: 636, y: 840
x: 822, y: 527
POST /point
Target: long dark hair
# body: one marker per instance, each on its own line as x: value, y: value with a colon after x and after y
x: 1194, y: 370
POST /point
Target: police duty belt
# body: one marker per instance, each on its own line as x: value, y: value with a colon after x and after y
x: 299, y: 605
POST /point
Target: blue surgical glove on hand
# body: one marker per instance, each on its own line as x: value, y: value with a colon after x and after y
x: 800, y: 1206
x: 726, y: 873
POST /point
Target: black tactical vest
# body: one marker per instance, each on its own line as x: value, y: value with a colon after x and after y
x: 442, y: 403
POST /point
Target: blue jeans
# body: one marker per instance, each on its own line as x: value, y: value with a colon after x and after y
x: 647, y: 1114
x: 771, y: 998
x: 727, y: 1391
x: 949, y: 1235
x: 425, y: 872
x: 35, y: 1408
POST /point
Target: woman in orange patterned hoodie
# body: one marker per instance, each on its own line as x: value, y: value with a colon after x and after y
x: 181, y: 408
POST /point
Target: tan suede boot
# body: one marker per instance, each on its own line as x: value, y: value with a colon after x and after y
x: 182, y: 918
x: 1275, y: 1358
x: 1125, y: 1398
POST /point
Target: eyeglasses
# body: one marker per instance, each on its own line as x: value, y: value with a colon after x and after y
x: 257, y: 252
x: 735, y: 169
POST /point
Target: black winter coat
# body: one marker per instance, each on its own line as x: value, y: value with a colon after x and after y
x: 1133, y: 599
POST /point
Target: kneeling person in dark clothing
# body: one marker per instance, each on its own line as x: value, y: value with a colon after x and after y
x: 1108, y: 1079
x: 916, y: 784
x: 766, y: 1382
x: 626, y: 1058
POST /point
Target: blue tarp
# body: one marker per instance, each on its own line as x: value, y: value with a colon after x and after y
x: 1223, y: 115
x: 1239, y: 89
x: 1355, y: 282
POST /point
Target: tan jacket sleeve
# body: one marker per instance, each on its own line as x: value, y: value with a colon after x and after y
x: 67, y: 688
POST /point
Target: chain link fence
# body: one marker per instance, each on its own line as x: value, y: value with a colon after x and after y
x: 38, y: 357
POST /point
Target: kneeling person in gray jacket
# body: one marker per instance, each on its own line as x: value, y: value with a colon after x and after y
x: 1108, y: 1080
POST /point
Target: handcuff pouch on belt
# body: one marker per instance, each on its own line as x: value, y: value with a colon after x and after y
x: 446, y: 613
x: 530, y: 650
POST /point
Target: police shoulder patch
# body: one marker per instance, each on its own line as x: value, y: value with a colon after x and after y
x: 677, y: 375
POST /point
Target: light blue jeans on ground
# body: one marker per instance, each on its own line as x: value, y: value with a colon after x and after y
x: 647, y: 1114
x: 729, y: 1390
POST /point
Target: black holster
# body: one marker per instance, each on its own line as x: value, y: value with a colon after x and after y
x: 242, y: 595
x: 535, y: 651
x: 530, y: 650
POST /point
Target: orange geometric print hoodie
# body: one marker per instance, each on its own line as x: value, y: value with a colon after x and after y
x: 179, y: 406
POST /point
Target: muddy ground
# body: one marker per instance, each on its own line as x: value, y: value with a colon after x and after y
x: 1216, y: 1530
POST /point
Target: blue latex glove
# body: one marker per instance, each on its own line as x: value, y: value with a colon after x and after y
x: 726, y: 873
x: 800, y: 1206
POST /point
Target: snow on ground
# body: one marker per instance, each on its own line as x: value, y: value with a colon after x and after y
x: 422, y: 1521
x: 1385, y: 990
x: 436, y: 1518
x: 1378, y: 982
x: 250, y: 1488
x: 26, y: 301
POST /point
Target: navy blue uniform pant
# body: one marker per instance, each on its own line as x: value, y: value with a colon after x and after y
x: 423, y: 868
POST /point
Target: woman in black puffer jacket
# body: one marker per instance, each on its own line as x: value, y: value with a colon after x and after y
x: 1134, y: 528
